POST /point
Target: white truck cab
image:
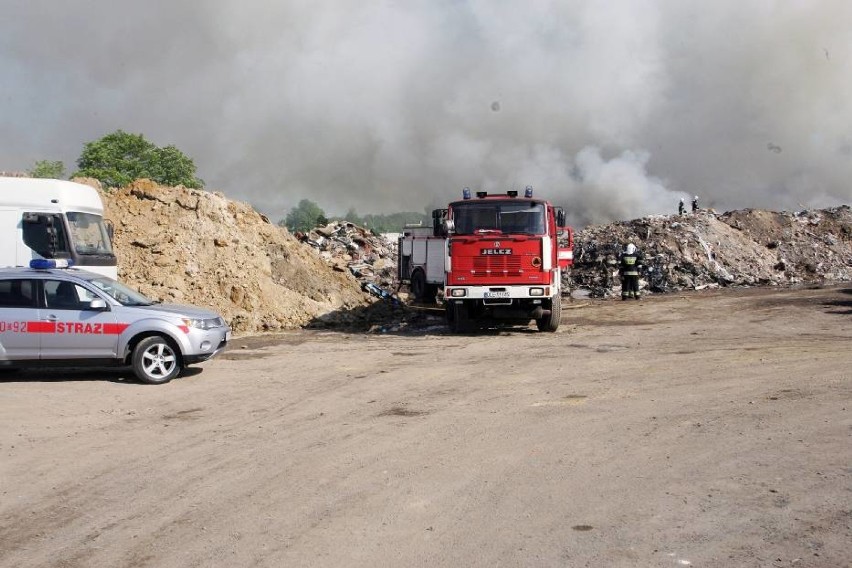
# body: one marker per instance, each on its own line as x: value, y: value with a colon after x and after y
x: 54, y: 219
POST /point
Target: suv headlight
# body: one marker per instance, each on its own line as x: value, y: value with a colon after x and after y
x: 199, y: 323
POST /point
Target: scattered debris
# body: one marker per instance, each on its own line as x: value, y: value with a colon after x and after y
x: 380, y: 293
x: 370, y: 258
x: 740, y: 248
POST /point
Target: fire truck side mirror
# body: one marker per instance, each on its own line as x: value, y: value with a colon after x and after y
x: 560, y: 217
x: 438, y: 216
x: 449, y: 226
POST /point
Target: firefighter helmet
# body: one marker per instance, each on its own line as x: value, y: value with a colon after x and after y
x: 630, y: 248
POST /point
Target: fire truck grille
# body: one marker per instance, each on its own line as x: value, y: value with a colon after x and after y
x: 482, y: 266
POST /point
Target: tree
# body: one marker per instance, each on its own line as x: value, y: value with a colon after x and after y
x: 386, y: 223
x: 48, y: 169
x: 120, y: 158
x: 304, y: 217
x: 353, y: 217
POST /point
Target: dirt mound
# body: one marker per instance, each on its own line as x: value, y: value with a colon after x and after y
x: 192, y: 246
x: 738, y: 248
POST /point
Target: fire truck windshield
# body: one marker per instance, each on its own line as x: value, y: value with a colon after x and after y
x: 504, y: 217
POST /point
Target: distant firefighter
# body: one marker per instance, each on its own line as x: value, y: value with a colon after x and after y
x: 629, y: 267
x: 695, y: 204
x: 681, y: 207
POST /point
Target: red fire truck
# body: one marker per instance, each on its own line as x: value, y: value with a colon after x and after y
x: 503, y: 259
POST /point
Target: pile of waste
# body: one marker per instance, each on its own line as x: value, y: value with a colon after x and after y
x: 706, y: 250
x: 346, y: 247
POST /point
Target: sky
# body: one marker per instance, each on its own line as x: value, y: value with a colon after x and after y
x: 612, y: 109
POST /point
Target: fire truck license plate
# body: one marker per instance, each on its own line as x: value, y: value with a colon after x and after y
x: 489, y: 252
x: 504, y: 294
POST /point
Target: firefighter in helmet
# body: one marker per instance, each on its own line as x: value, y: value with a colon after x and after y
x: 629, y: 267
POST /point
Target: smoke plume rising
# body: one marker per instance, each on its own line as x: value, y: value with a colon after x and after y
x: 613, y: 109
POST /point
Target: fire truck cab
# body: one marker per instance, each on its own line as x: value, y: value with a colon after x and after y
x: 497, y: 257
x: 505, y: 261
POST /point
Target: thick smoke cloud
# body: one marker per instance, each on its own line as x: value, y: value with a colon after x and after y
x: 612, y: 109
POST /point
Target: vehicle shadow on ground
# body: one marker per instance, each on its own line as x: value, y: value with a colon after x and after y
x: 385, y: 317
x: 394, y: 318
x: 116, y: 375
x: 846, y: 304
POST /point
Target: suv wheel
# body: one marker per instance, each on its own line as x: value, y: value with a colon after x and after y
x: 155, y: 361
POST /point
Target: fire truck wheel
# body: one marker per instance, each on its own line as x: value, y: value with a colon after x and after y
x: 418, y: 285
x: 431, y: 293
x: 551, y: 322
x: 451, y: 318
x: 461, y: 322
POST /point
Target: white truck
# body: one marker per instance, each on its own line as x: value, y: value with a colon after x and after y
x: 422, y: 250
x: 54, y: 219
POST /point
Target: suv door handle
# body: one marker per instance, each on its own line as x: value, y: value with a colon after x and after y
x: 51, y: 317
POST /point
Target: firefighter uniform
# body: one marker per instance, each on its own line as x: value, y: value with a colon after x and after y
x: 629, y: 267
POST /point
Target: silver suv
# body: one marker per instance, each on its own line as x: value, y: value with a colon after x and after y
x: 69, y: 317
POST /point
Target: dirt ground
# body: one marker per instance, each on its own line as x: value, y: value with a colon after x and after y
x: 702, y: 429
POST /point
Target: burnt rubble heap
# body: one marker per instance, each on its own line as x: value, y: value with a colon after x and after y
x: 739, y: 248
x: 372, y: 260
x: 346, y: 247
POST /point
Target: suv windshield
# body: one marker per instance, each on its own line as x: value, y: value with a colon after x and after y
x: 505, y: 217
x: 120, y: 293
x: 88, y: 233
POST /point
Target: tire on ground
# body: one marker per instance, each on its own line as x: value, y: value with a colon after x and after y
x: 551, y: 322
x: 461, y: 321
x: 418, y: 285
x: 155, y: 361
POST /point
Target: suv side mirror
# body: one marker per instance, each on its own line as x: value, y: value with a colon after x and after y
x: 98, y: 304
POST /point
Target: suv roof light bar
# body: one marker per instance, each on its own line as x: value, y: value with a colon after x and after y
x: 46, y: 263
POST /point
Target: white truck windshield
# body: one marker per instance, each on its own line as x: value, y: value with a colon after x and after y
x: 88, y: 233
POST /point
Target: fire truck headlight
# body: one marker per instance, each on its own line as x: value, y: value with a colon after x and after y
x: 458, y: 292
x: 536, y: 291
